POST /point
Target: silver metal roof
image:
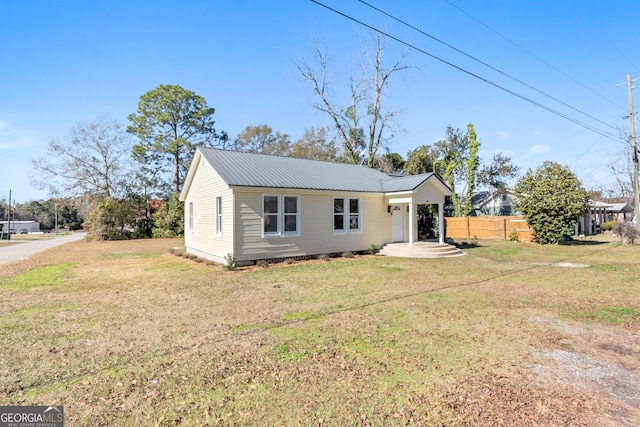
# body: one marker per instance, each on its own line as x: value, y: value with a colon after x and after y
x: 259, y: 170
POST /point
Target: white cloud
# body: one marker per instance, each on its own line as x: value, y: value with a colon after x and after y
x: 503, y: 136
x: 538, y: 149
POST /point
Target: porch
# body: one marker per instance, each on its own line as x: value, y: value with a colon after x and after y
x: 421, y: 250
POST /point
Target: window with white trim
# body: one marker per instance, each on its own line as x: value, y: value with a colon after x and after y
x: 346, y: 215
x: 191, y: 217
x: 271, y: 215
x: 280, y: 215
x: 219, y: 216
x: 291, y: 215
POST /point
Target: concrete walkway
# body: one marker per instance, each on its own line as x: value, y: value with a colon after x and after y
x: 11, y: 253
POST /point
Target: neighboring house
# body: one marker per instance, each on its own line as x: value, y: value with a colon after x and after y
x: 487, y: 203
x: 30, y: 226
x: 619, y: 212
x: 256, y: 206
x: 591, y: 222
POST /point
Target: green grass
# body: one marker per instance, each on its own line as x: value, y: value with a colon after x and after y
x: 48, y: 275
x: 124, y: 333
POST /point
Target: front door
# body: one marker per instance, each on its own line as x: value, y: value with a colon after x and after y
x: 397, y: 224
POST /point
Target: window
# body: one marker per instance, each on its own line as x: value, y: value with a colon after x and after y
x: 338, y: 215
x: 291, y: 215
x: 219, y: 216
x: 346, y: 211
x: 280, y: 215
x: 271, y: 215
x: 191, y: 217
x: 354, y: 215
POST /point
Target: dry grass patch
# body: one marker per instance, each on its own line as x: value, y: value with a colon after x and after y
x: 131, y: 335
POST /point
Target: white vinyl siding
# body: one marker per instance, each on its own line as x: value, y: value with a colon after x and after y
x: 205, y: 188
x: 316, y: 222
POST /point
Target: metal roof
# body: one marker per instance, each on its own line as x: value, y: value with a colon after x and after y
x: 258, y: 170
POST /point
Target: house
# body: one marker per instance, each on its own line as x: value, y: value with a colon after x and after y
x: 257, y: 206
x: 591, y: 222
x: 487, y: 203
x: 619, y: 212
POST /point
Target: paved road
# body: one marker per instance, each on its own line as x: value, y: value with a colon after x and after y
x: 24, y: 250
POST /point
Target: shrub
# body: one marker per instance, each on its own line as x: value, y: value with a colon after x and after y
x: 231, y: 262
x: 347, y: 254
x: 608, y: 226
x: 289, y: 261
x: 373, y: 249
x: 324, y: 257
x: 513, y: 235
x: 627, y: 231
x: 262, y: 263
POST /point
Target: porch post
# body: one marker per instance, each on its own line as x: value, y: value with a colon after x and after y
x: 441, y: 222
x: 411, y: 218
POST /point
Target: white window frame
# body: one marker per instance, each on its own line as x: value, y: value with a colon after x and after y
x: 345, y: 201
x: 285, y: 215
x: 281, y: 216
x: 190, y: 217
x: 278, y: 216
x: 346, y: 215
x: 358, y: 214
x: 219, y: 216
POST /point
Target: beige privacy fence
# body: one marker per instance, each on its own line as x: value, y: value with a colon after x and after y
x: 487, y: 227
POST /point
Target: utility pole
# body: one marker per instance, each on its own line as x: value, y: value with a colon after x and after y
x: 9, y: 218
x: 634, y: 155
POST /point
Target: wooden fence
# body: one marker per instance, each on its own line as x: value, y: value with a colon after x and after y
x: 487, y: 227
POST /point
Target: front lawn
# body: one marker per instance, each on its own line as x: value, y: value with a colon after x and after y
x: 125, y: 333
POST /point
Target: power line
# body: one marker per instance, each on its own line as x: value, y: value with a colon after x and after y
x: 483, y: 63
x: 509, y: 91
x: 530, y: 53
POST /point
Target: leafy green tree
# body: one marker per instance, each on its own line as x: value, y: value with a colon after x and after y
x: 261, y: 139
x: 552, y: 200
x: 112, y: 219
x: 472, y: 168
x: 170, y: 123
x: 315, y: 145
x: 497, y: 174
x: 420, y: 160
x: 169, y: 219
x: 452, y: 155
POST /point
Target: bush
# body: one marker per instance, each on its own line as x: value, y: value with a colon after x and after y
x: 231, y: 262
x: 347, y: 254
x: 168, y: 220
x: 608, y: 226
x: 513, y: 235
x: 627, y: 231
x: 262, y: 263
x: 324, y: 257
x: 373, y: 249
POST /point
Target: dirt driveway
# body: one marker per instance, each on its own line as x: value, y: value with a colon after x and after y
x: 598, y: 361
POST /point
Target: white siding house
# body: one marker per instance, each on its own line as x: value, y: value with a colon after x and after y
x: 256, y: 206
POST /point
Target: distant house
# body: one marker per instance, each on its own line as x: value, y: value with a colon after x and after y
x: 619, y: 212
x: 487, y: 203
x: 256, y: 206
x: 591, y: 222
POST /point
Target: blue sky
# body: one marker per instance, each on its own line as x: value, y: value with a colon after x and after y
x: 72, y: 61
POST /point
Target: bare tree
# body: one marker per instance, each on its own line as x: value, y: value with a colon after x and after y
x: 364, y: 125
x: 621, y: 167
x: 94, y: 159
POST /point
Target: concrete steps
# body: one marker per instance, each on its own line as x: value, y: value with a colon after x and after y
x: 421, y: 250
